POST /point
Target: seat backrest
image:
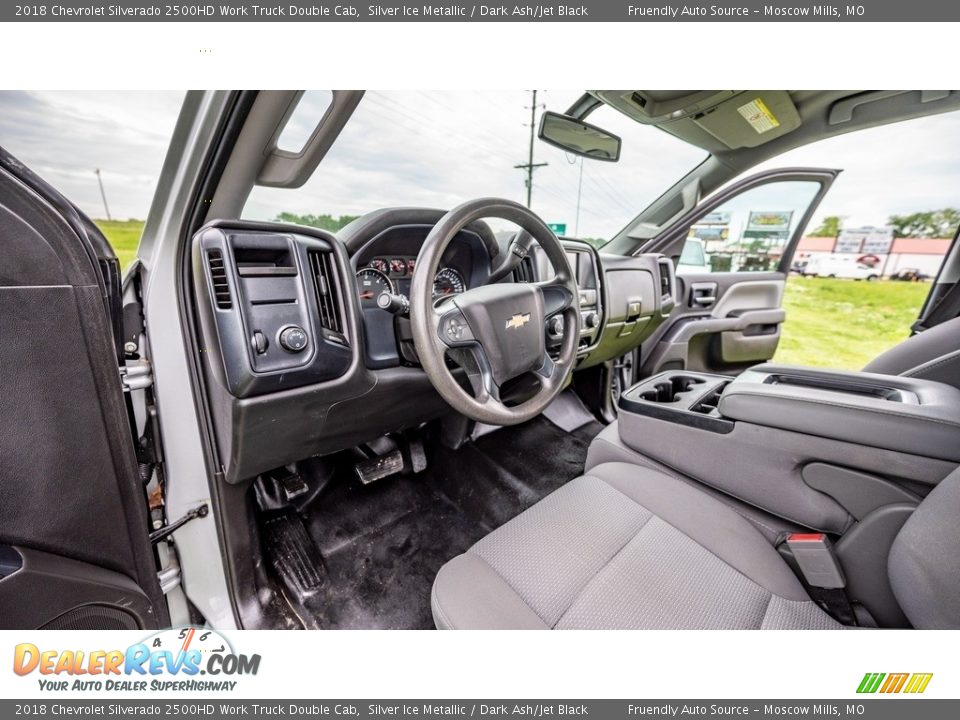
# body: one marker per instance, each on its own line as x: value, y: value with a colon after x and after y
x: 933, y: 354
x: 924, y: 562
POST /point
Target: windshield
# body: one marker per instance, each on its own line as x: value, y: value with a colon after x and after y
x: 438, y: 149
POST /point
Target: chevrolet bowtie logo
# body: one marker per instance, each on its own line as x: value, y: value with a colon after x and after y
x: 518, y: 321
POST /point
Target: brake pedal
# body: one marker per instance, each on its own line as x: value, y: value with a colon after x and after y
x: 379, y: 467
x: 418, y: 456
x: 293, y: 554
x: 293, y: 485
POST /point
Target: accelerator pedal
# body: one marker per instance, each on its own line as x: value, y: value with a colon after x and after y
x: 293, y: 554
x: 379, y: 467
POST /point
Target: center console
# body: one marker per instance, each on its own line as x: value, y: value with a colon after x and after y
x: 845, y: 453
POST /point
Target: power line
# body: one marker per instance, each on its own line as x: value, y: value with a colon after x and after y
x: 420, y: 121
x: 614, y: 191
x: 530, y: 166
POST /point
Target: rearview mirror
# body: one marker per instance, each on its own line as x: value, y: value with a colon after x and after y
x: 578, y: 137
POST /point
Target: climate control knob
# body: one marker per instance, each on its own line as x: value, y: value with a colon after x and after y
x: 592, y: 320
x: 555, y: 325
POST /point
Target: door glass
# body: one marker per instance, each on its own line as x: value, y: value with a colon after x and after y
x: 749, y: 232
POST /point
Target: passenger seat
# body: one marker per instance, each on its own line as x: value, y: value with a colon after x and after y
x: 626, y: 547
x: 933, y: 354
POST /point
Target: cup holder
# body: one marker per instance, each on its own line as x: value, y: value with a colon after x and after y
x: 670, y: 390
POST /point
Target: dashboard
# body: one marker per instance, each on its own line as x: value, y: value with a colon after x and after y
x: 301, y: 357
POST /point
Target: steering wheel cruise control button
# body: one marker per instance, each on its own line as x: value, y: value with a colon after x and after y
x: 293, y: 339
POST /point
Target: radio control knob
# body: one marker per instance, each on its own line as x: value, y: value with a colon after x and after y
x: 592, y: 320
x: 555, y: 325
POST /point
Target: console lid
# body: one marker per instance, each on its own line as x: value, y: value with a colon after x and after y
x: 909, y: 415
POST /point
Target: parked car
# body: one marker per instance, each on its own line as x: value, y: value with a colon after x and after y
x: 840, y: 266
x: 693, y: 258
x: 910, y: 275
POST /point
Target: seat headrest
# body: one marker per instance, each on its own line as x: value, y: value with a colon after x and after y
x: 924, y: 562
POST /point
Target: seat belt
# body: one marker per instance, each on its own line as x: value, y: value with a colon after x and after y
x: 822, y: 574
x: 947, y: 308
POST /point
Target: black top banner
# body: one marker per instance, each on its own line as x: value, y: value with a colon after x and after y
x: 438, y: 11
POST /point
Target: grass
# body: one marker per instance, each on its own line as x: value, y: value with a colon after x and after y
x: 843, y: 323
x: 124, y: 236
x: 830, y: 322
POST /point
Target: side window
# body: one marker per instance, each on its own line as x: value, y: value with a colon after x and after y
x: 750, y: 232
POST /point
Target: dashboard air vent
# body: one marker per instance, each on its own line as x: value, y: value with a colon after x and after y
x: 523, y: 272
x: 218, y: 275
x: 666, y: 278
x: 329, y: 294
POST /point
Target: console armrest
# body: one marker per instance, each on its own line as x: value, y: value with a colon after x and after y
x: 908, y: 415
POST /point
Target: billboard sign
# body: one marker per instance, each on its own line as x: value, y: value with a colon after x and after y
x: 865, y: 240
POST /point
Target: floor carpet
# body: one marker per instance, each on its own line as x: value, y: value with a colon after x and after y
x: 382, y: 544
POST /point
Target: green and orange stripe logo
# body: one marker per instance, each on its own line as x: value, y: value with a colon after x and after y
x: 912, y: 683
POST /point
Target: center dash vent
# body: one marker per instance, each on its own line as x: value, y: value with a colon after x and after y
x: 218, y: 275
x: 523, y: 272
x: 666, y: 278
x: 329, y: 294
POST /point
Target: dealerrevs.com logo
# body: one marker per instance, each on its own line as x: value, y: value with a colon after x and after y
x: 890, y: 683
x: 181, y: 659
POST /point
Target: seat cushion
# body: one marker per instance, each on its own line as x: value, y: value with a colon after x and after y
x: 624, y: 547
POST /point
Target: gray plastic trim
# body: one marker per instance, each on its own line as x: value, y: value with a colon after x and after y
x: 859, y: 492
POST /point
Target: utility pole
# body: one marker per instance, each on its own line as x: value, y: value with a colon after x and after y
x: 576, y: 225
x: 530, y: 166
x: 103, y: 194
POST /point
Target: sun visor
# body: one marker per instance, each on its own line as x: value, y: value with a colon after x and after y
x: 751, y: 118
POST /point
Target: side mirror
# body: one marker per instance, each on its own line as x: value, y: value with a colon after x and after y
x: 578, y: 137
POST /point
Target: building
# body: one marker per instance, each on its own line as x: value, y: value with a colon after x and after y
x: 925, y: 254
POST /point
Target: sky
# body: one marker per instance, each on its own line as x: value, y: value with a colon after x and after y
x: 440, y: 148
x: 65, y: 136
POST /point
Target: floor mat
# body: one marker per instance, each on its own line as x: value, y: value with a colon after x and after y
x: 382, y: 544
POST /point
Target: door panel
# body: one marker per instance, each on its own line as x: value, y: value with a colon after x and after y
x: 73, y: 522
x: 733, y: 252
x: 739, y: 329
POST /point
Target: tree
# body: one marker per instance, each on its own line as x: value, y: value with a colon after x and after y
x: 324, y: 222
x: 830, y: 226
x: 929, y: 224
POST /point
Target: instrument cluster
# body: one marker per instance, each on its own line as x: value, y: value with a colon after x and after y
x: 393, y: 275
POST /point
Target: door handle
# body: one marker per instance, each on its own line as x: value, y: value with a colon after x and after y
x: 703, y: 294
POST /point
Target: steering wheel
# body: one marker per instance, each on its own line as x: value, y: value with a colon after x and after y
x: 495, y: 332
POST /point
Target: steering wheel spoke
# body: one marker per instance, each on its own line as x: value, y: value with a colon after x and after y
x: 556, y: 297
x: 485, y: 388
x: 549, y: 369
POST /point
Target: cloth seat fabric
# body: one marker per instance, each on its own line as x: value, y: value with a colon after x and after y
x: 624, y: 547
x: 933, y: 354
